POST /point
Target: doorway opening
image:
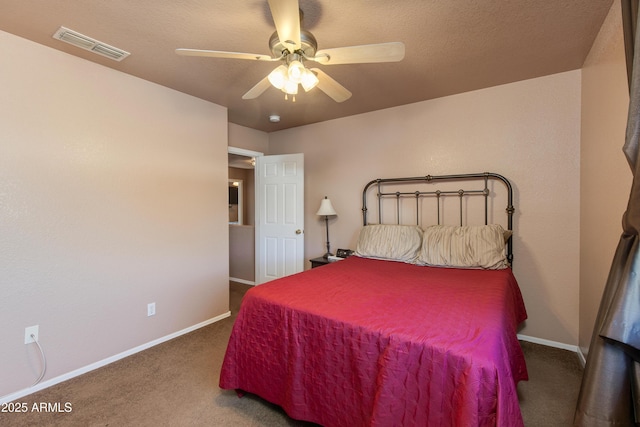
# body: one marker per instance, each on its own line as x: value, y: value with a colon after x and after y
x: 242, y: 198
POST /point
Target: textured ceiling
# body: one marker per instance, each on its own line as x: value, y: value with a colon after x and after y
x: 452, y: 46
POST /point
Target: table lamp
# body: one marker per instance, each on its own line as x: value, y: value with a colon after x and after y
x: 326, y: 210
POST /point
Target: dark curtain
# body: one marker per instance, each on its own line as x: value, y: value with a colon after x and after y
x: 630, y: 20
x: 610, y: 391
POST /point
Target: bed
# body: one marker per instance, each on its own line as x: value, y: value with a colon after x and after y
x: 394, y: 336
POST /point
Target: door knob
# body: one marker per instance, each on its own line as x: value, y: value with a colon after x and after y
x: 298, y: 231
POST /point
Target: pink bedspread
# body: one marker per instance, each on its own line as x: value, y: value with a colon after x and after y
x: 365, y: 342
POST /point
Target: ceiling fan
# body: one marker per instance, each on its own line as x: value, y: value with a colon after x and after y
x: 294, y: 46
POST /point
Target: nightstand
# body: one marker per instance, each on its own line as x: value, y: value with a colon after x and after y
x: 317, y: 262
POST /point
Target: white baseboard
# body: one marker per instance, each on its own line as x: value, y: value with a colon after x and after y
x: 574, y: 348
x: 244, y: 282
x: 64, y: 377
x: 583, y: 359
x: 549, y: 343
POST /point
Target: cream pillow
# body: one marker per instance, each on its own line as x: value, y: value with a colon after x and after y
x: 464, y: 246
x: 390, y: 241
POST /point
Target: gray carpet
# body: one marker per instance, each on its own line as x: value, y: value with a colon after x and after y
x: 175, y: 384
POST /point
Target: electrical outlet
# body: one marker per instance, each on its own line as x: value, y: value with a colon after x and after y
x: 31, y: 330
x: 151, y: 309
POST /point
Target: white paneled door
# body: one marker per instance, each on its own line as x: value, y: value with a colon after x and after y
x: 279, y: 216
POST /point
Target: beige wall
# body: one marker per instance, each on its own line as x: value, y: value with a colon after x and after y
x: 110, y: 191
x: 242, y: 254
x: 528, y: 131
x: 605, y: 178
x: 248, y: 139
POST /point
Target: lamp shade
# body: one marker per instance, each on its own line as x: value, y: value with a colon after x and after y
x: 326, y: 208
x: 295, y: 71
x: 290, y: 87
x: 309, y: 80
x: 278, y: 77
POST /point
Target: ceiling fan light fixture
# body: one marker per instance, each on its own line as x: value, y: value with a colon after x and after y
x: 309, y: 80
x: 296, y: 71
x: 278, y: 77
x: 293, y: 47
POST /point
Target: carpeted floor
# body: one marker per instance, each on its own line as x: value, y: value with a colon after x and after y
x: 176, y: 384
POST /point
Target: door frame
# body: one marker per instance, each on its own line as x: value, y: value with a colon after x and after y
x: 244, y: 152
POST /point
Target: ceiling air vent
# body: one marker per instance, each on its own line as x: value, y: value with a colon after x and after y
x: 87, y: 43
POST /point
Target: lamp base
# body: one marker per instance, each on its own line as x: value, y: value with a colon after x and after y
x: 326, y: 223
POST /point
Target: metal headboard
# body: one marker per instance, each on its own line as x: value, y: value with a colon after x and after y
x: 382, y: 186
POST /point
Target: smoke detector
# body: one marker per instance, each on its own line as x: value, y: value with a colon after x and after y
x: 274, y: 118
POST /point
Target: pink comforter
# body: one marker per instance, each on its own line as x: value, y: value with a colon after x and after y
x: 365, y: 342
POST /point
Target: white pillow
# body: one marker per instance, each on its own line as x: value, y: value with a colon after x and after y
x: 480, y: 246
x: 390, y: 241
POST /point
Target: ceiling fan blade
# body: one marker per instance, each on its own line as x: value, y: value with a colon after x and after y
x: 369, y: 53
x: 221, y: 54
x: 286, y: 16
x: 331, y: 87
x: 258, y: 89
